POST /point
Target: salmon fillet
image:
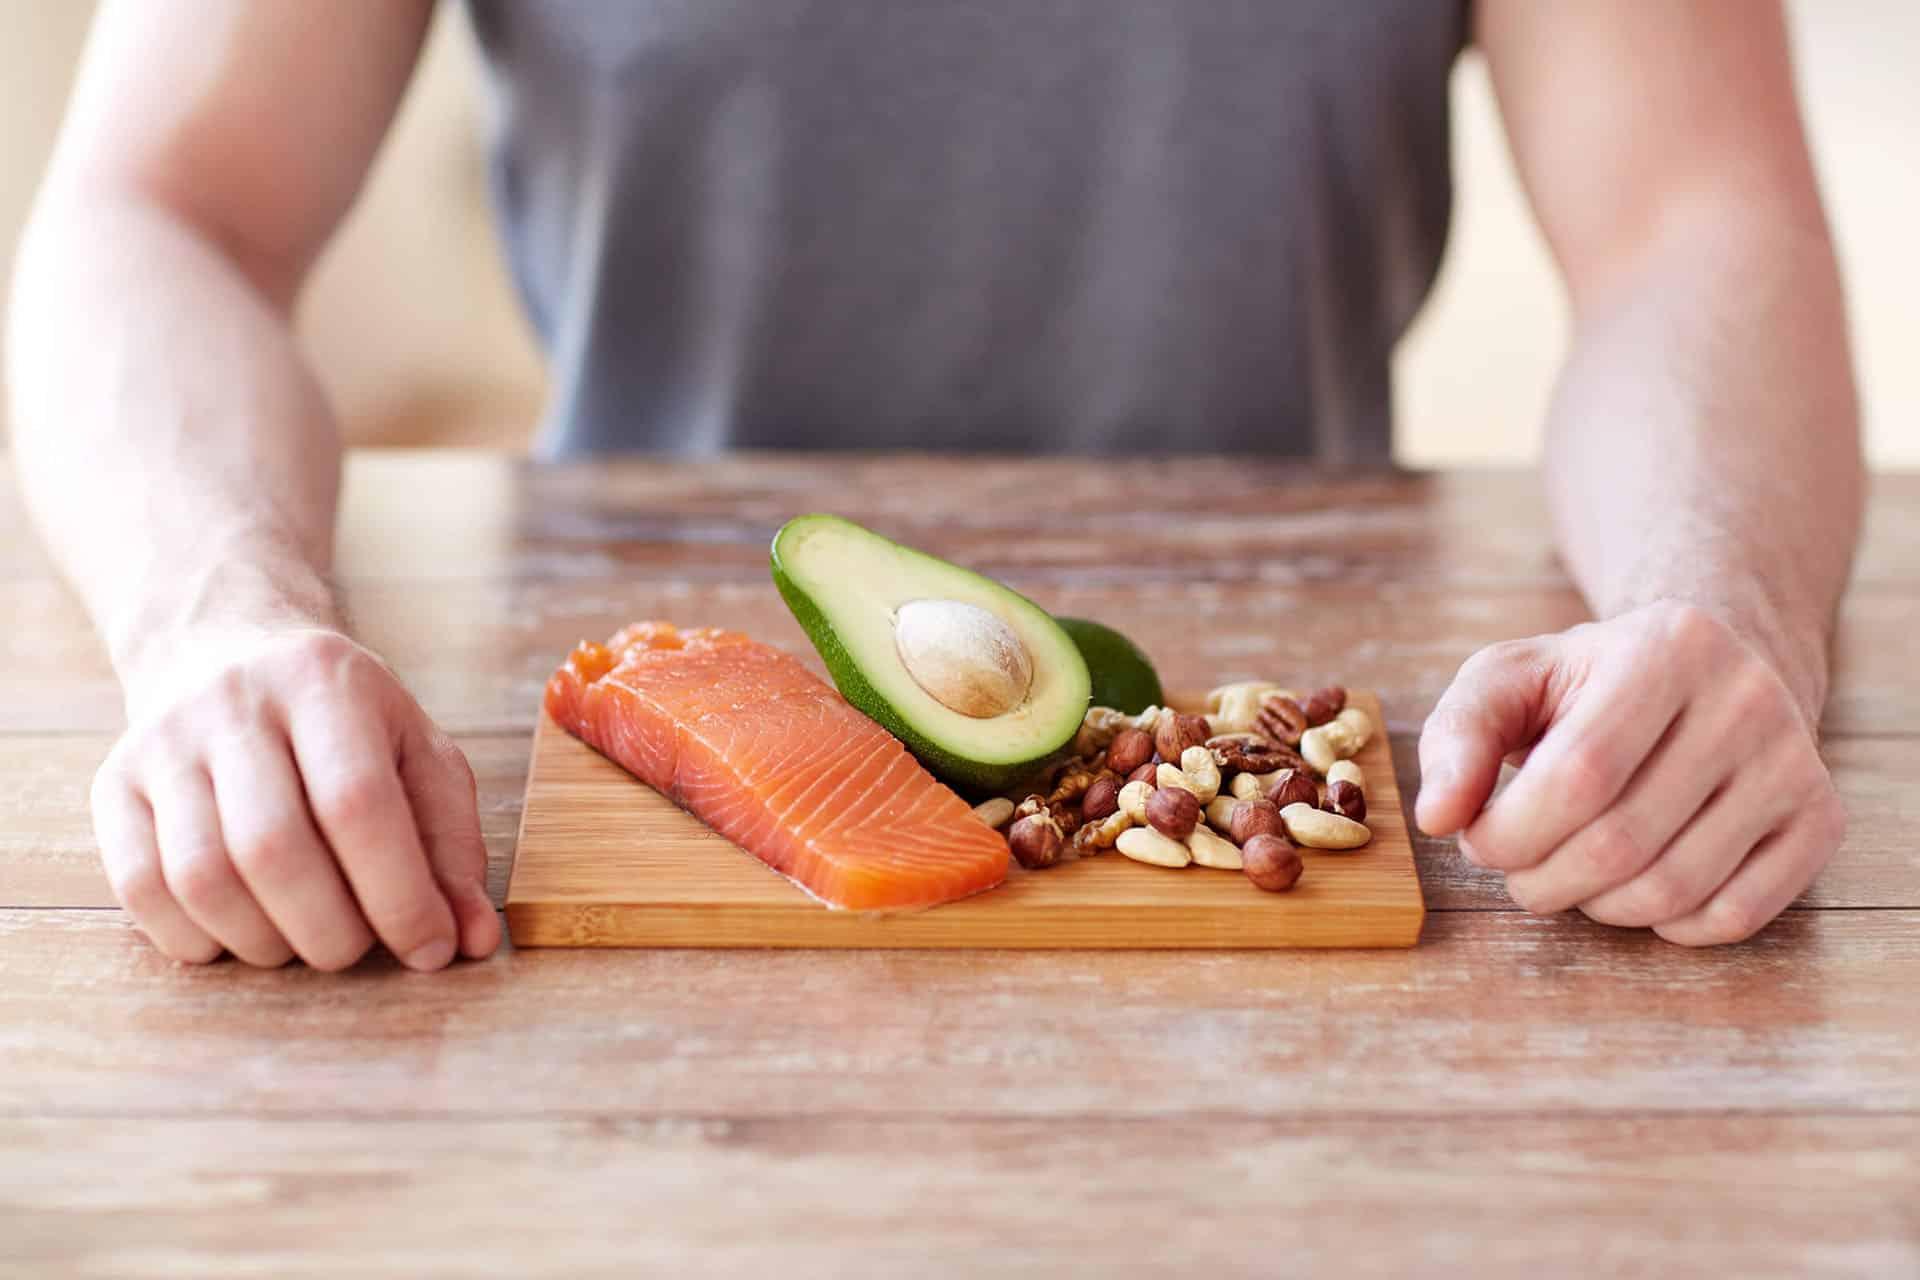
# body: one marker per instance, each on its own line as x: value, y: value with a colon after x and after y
x: 771, y: 757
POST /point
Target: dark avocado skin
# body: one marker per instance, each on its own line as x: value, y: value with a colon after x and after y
x: 1131, y: 692
x: 968, y: 776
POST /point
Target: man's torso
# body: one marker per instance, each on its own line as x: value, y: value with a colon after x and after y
x: 1062, y: 225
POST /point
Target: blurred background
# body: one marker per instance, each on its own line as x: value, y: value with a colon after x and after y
x: 414, y: 326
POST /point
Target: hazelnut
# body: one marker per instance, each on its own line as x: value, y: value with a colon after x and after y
x: 1036, y: 841
x: 1293, y: 786
x: 1130, y: 749
x: 1272, y: 863
x: 1102, y: 799
x: 1145, y: 773
x: 1347, y: 800
x: 1252, y: 818
x: 1175, y: 732
x: 1323, y: 705
x: 1173, y: 812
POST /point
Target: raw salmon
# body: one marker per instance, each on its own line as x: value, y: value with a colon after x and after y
x: 771, y: 757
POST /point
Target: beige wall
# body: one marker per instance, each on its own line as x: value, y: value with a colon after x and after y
x: 414, y: 327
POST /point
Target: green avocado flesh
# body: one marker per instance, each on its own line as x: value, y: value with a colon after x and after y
x: 848, y: 586
x: 1122, y: 677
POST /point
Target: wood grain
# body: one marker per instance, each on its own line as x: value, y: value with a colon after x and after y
x: 1627, y: 1194
x: 476, y: 653
x: 605, y: 861
x: 1514, y: 1097
x: 1494, y: 1012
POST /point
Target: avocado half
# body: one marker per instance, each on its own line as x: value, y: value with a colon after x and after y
x: 1012, y: 686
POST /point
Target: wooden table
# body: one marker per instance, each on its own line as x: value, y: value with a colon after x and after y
x: 1516, y: 1096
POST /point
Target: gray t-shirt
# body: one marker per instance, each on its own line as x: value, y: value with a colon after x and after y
x: 1111, y: 226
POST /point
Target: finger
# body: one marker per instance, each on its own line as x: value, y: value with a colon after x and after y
x: 280, y: 856
x: 1578, y: 768
x: 1754, y: 802
x: 347, y: 760
x: 199, y: 874
x: 1492, y: 710
x: 440, y: 787
x: 130, y: 854
x: 1777, y: 871
x: 1686, y: 768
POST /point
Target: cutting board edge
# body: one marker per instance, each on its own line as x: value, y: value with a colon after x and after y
x: 553, y: 921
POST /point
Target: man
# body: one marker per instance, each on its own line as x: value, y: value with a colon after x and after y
x: 1097, y: 224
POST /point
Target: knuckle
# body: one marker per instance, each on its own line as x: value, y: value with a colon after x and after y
x: 202, y: 951
x: 341, y: 949
x: 1756, y: 693
x: 201, y: 877
x: 1587, y: 776
x: 352, y: 797
x: 272, y: 854
x: 1498, y: 656
x: 1652, y: 898
x: 1614, y: 849
x: 1688, y: 628
x: 405, y: 926
x: 1730, y: 918
x: 1530, y: 897
x: 138, y: 884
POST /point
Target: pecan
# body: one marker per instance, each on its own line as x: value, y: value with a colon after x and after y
x: 1281, y: 719
x: 1251, y: 755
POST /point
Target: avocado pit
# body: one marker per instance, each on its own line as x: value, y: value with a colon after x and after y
x: 966, y: 658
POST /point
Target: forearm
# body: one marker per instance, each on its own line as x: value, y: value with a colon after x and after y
x: 1703, y: 443
x: 175, y: 450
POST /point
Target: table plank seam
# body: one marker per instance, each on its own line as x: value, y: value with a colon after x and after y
x: 690, y: 1115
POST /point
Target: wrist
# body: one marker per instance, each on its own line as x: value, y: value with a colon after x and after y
x: 197, y: 614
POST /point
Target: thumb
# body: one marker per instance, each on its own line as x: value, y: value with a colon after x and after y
x: 440, y: 787
x: 1495, y: 707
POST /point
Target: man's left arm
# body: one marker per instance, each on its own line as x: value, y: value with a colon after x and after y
x: 1703, y: 464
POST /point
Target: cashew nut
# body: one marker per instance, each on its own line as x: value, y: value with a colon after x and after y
x: 1358, y: 723
x: 1144, y: 844
x: 1220, y: 810
x: 1248, y: 786
x: 1232, y: 708
x: 1322, y: 745
x: 1318, y: 829
x: 996, y: 812
x: 1198, y: 764
x: 1133, y: 801
x: 1347, y: 771
x: 1209, y: 850
x: 1171, y: 775
x: 1337, y: 739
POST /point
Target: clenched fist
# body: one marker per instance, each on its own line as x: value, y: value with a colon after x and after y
x: 279, y: 794
x: 1668, y: 779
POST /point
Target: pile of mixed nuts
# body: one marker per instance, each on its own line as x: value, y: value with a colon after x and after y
x: 1237, y: 788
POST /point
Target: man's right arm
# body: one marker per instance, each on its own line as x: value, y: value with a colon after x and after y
x: 277, y: 792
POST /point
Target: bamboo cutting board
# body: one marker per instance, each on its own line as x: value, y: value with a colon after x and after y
x: 606, y: 861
